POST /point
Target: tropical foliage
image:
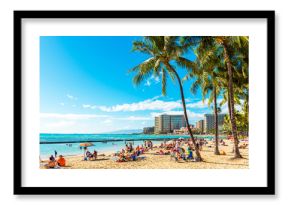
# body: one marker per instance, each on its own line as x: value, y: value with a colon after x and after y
x: 162, y: 51
x: 220, y: 69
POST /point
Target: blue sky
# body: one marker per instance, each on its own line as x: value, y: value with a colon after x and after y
x: 85, y: 87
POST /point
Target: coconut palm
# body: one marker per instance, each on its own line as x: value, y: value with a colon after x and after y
x: 229, y: 45
x: 234, y: 52
x: 162, y: 51
x: 206, y: 77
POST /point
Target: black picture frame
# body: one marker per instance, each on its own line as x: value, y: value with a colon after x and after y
x: 268, y: 190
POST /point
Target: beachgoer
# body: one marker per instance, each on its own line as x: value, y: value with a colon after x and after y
x: 51, y: 164
x: 127, y: 148
x: 130, y: 147
x: 190, y: 153
x: 55, y: 153
x: 61, y: 161
x: 89, y: 154
x: 95, y: 154
x: 134, y: 156
x: 51, y: 158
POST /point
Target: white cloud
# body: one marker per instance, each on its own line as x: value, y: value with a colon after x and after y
x: 71, y: 97
x: 190, y: 114
x: 134, y: 118
x: 62, y: 104
x: 90, y: 106
x: 150, y: 104
x: 70, y: 116
x: 199, y: 104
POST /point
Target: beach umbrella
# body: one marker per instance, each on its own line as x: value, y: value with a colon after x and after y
x: 85, y: 145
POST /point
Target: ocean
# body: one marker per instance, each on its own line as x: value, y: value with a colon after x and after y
x: 68, y: 144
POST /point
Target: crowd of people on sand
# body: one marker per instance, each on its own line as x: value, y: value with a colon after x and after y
x: 129, y: 153
x: 178, y: 150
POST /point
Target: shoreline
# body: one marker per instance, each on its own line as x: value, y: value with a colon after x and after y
x: 131, y: 139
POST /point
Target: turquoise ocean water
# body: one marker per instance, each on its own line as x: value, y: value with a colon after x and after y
x: 68, y: 144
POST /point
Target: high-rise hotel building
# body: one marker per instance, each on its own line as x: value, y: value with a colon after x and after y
x: 200, y: 125
x: 209, y: 123
x: 167, y: 123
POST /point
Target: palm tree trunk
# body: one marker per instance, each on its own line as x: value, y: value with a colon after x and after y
x: 184, y: 110
x: 229, y: 103
x: 230, y: 113
x: 232, y: 103
x: 216, y: 152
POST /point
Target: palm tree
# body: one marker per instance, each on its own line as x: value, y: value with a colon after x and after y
x: 234, y: 43
x: 162, y: 51
x: 234, y: 50
x: 206, y: 73
x: 211, y: 87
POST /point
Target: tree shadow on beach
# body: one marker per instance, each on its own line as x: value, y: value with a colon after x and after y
x: 102, y: 159
x: 225, y: 163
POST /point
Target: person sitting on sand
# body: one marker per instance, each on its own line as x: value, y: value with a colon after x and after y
x: 127, y: 148
x: 223, y: 143
x: 130, y: 147
x: 134, y: 156
x: 138, y: 150
x: 61, y: 161
x: 95, y: 154
x: 189, y: 153
x: 151, y: 144
x: 160, y: 152
x: 142, y: 149
x: 89, y: 154
x: 51, y: 158
x: 122, y: 158
x: 51, y: 163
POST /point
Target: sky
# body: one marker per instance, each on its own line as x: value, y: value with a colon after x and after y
x: 85, y: 87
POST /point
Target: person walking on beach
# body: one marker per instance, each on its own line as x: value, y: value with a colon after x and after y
x: 55, y: 153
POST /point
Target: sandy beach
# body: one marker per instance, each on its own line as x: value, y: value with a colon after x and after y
x: 153, y: 161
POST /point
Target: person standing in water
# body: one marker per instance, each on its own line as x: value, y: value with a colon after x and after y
x: 55, y: 153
